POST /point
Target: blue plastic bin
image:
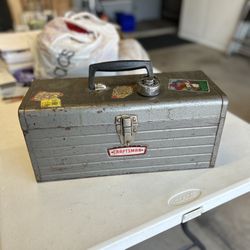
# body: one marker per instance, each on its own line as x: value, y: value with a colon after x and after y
x: 126, y: 21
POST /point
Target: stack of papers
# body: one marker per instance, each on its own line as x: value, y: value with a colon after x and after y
x: 15, y: 51
x: 6, y: 79
x: 15, y: 41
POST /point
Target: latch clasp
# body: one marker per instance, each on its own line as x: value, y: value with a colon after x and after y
x: 126, y: 127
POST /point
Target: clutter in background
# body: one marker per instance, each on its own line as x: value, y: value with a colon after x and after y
x: 25, y: 75
x: 110, y: 7
x: 20, y: 64
x: 10, y: 90
x: 34, y: 20
x: 68, y: 45
x: 126, y: 21
x: 16, y: 64
x: 120, y: 12
x: 6, y: 79
x: 95, y: 7
x: 64, y: 48
x: 34, y: 14
x: 17, y: 56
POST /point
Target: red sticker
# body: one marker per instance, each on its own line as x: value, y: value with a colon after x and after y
x: 127, y: 151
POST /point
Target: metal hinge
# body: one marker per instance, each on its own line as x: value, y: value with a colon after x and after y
x: 126, y: 127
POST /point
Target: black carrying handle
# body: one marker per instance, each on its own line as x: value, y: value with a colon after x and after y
x: 122, y: 65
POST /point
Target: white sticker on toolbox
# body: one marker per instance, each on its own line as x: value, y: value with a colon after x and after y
x: 121, y: 92
x: 127, y: 151
x: 41, y: 95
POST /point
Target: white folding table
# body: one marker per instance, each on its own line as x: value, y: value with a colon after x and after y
x: 113, y: 212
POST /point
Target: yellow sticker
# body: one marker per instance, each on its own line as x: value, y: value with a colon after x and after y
x: 50, y: 103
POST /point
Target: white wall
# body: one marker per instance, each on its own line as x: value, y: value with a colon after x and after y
x: 147, y: 9
x: 210, y: 22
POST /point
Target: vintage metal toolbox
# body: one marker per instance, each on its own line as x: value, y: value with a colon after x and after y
x: 87, y: 127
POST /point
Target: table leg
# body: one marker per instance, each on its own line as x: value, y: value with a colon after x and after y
x: 192, y: 237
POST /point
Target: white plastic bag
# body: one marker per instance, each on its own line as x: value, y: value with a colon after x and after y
x: 67, y: 46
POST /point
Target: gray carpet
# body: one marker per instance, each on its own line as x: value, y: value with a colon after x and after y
x: 226, y: 227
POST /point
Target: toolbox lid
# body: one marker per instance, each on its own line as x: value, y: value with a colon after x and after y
x: 56, y: 103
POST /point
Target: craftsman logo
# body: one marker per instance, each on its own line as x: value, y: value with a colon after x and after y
x: 127, y: 151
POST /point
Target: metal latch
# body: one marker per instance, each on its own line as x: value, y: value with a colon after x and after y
x: 126, y: 127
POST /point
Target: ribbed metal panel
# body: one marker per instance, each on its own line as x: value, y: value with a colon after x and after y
x: 59, y: 175
x: 48, y: 151
x: 70, y: 155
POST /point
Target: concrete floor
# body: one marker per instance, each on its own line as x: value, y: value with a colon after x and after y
x: 226, y: 227
x: 232, y: 74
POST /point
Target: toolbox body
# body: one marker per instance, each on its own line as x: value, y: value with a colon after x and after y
x: 114, y: 130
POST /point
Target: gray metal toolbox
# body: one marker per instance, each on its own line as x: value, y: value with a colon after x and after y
x: 85, y: 127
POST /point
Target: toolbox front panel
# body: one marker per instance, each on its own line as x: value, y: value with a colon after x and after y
x: 62, y: 153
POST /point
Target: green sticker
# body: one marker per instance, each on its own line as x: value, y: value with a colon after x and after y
x: 188, y: 85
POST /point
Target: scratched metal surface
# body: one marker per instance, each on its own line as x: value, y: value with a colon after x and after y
x: 181, y: 129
